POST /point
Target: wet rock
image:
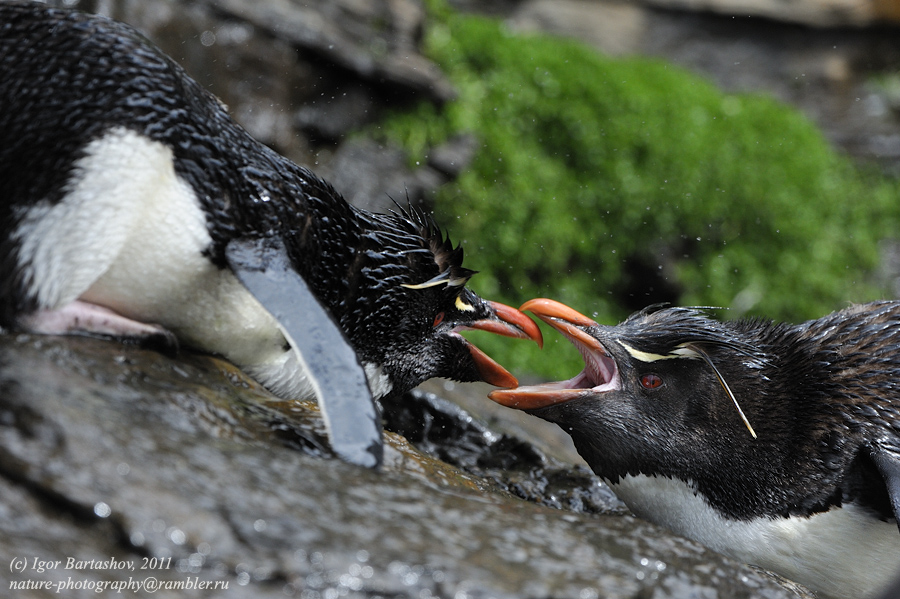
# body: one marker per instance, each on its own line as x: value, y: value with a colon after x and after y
x: 547, y: 437
x: 613, y: 27
x: 818, y: 13
x: 119, y: 457
x: 444, y: 430
x: 331, y: 118
x: 453, y: 156
x: 377, y: 177
x: 377, y: 40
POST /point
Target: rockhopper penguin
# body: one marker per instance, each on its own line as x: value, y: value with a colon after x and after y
x: 132, y: 205
x: 776, y: 444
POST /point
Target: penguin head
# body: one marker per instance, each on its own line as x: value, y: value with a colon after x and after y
x: 657, y: 395
x: 411, y: 303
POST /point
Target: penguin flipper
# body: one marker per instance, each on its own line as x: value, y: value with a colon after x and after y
x: 887, y: 460
x: 262, y: 265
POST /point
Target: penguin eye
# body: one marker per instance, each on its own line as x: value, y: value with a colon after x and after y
x: 438, y: 319
x: 651, y: 381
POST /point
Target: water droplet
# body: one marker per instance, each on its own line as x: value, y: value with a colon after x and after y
x: 102, y: 509
x: 176, y: 535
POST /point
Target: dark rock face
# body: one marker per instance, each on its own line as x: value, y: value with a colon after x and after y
x: 131, y: 459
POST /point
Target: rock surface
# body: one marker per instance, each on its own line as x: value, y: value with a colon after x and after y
x: 818, y: 13
x: 115, y: 457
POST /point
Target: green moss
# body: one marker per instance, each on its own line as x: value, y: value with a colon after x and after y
x: 610, y: 183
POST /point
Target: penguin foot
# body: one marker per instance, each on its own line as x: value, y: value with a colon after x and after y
x: 82, y: 318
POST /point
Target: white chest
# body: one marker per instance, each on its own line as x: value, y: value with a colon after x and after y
x: 840, y: 553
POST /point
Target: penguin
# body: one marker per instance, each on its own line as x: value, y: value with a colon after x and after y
x: 132, y: 206
x: 773, y: 443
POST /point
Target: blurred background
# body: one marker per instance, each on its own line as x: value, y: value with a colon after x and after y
x: 741, y: 154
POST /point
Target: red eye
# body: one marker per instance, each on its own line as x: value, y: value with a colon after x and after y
x: 651, y: 381
x: 439, y: 318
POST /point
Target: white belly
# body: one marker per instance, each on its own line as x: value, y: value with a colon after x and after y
x: 129, y: 235
x: 841, y: 553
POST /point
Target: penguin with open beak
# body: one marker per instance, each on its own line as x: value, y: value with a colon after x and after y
x: 133, y: 206
x: 776, y: 444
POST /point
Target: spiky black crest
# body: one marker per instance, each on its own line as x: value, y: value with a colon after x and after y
x: 447, y: 258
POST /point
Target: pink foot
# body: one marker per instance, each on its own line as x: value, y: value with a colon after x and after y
x: 83, y: 318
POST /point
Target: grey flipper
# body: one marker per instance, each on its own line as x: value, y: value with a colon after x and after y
x: 888, y: 463
x: 354, y: 425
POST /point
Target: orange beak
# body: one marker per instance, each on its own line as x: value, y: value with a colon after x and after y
x: 509, y: 323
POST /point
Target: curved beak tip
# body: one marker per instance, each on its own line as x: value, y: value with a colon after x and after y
x: 502, y: 397
x: 546, y: 309
x: 513, y: 323
x: 519, y: 400
x: 507, y: 382
x: 539, y: 339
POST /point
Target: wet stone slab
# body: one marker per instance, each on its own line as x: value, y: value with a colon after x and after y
x: 115, y: 456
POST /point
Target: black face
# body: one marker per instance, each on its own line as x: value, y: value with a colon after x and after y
x: 408, y: 302
x: 662, y: 417
x: 652, y: 398
x: 424, y: 342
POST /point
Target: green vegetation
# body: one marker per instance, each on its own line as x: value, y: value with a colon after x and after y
x: 609, y: 184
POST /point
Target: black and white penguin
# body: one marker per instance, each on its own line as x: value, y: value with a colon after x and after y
x: 132, y: 205
x: 776, y: 444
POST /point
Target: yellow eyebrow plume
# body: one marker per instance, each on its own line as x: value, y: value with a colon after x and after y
x: 441, y: 279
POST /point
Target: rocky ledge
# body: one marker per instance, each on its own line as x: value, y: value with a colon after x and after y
x: 122, y: 468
